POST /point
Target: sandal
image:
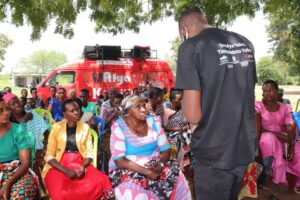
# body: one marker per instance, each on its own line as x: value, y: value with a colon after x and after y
x: 297, y: 190
x: 265, y: 188
x: 273, y: 197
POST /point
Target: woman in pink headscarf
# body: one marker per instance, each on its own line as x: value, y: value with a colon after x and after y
x: 16, y: 182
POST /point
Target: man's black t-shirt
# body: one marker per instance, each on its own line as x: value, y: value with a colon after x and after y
x: 221, y: 65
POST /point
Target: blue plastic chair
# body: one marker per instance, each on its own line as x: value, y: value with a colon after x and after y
x: 100, y: 121
x: 296, y: 118
x: 43, y: 113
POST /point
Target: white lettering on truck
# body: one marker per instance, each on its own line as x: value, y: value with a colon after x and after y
x: 109, y: 77
x: 96, y: 92
x: 112, y: 77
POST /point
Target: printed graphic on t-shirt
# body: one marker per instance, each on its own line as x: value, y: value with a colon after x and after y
x: 234, y: 54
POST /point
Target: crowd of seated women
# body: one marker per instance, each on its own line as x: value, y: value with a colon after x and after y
x: 141, y: 131
x: 139, y: 166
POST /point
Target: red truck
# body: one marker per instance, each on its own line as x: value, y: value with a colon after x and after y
x: 104, y: 67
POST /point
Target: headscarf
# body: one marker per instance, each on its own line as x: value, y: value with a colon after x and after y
x: 72, y: 90
x: 129, y: 101
x: 280, y: 90
x: 7, y: 97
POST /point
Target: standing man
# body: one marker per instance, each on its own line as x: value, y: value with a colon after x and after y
x: 216, y: 70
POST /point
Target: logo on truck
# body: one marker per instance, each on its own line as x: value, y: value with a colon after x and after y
x: 109, y: 77
x: 112, y: 78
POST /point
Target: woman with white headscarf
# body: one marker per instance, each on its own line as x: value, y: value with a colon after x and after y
x: 140, y: 167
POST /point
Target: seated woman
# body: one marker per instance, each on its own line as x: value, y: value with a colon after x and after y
x: 155, y: 104
x: 68, y: 173
x: 16, y: 182
x: 276, y: 137
x: 177, y: 127
x: 140, y: 167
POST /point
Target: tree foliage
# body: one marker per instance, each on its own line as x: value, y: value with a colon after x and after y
x: 266, y: 69
x: 4, y: 43
x: 172, y: 59
x: 116, y: 16
x: 42, y: 62
x: 270, y: 68
x: 284, y: 33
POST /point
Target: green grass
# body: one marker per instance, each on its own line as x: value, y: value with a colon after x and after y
x: 6, y: 81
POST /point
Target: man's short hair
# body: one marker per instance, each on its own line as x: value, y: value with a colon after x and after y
x: 52, y: 87
x: 32, y: 89
x: 86, y: 91
x: 63, y: 89
x: 188, y: 12
x: 118, y: 96
x: 155, y: 92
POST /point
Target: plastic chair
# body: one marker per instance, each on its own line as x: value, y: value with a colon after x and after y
x: 42, y: 112
x: 101, y: 125
x: 95, y: 140
x: 32, y: 149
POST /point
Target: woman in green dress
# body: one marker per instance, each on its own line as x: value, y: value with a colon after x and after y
x: 16, y: 182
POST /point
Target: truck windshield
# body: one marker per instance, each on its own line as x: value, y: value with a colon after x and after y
x: 61, y: 78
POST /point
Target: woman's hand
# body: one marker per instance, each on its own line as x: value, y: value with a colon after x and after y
x: 80, y: 171
x: 70, y: 173
x: 185, y: 128
x: 279, y: 136
x: 5, y: 192
x: 39, y: 158
x: 182, y: 129
x: 291, y: 148
x: 152, y: 174
x: 157, y: 169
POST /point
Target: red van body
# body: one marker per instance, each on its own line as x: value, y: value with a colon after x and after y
x: 98, y: 75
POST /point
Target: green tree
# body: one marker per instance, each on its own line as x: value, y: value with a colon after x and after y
x: 270, y: 68
x: 4, y: 43
x: 172, y: 59
x: 42, y: 61
x: 116, y: 16
x: 284, y: 33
